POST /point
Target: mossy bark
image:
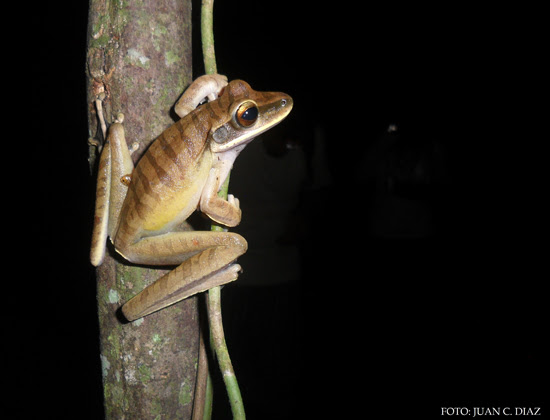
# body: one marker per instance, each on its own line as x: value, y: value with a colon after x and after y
x: 139, y: 58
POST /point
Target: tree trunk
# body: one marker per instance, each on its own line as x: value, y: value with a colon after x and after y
x: 139, y: 57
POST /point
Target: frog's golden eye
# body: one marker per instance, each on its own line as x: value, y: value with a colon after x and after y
x: 247, y: 114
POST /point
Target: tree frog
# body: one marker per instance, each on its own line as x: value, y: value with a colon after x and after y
x: 143, y: 210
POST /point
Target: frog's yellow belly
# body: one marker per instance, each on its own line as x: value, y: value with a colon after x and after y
x: 172, y: 211
x: 174, y: 204
x: 161, y: 196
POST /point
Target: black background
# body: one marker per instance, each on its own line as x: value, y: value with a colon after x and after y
x: 384, y: 326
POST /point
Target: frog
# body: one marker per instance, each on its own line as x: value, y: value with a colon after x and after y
x: 144, y: 210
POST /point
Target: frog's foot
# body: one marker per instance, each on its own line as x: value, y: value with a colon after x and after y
x: 229, y: 273
x: 99, y: 109
x: 119, y: 118
x: 134, y: 147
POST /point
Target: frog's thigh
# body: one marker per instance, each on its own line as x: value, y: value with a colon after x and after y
x: 175, y: 247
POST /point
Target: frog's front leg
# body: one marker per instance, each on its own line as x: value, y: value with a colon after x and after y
x: 205, y: 260
x: 207, y: 86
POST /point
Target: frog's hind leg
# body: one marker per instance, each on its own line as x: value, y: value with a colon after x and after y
x: 208, y: 261
x: 148, y: 301
x: 114, y: 172
x: 101, y: 215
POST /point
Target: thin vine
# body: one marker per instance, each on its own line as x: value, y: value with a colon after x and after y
x: 214, y: 294
x: 207, y: 36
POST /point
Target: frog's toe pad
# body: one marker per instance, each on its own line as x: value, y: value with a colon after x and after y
x: 227, y: 274
x: 233, y: 200
x: 232, y: 270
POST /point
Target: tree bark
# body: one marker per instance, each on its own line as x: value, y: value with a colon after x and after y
x: 139, y: 59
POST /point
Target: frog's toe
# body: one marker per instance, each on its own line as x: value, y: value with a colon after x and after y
x: 233, y: 200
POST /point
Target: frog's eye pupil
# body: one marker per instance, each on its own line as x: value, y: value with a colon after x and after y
x: 250, y: 114
x: 247, y: 114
